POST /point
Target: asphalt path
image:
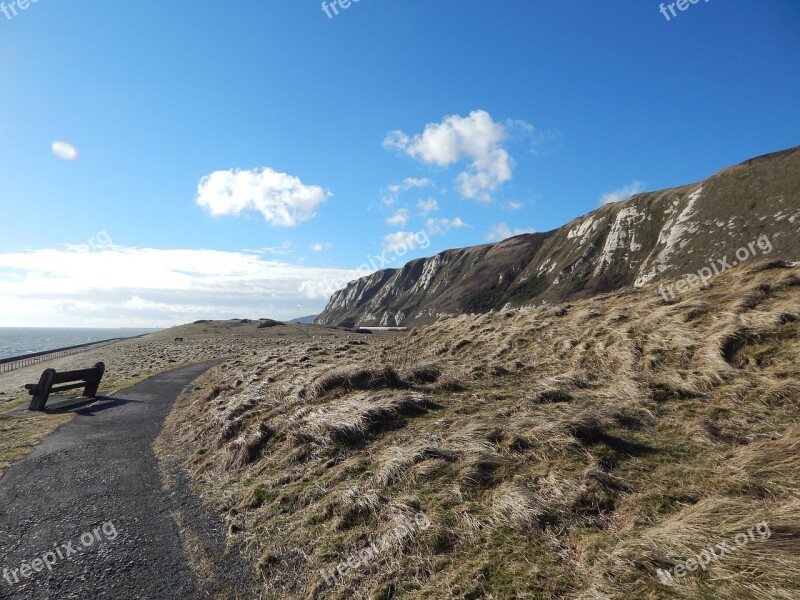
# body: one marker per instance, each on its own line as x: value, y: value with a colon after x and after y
x: 85, y: 515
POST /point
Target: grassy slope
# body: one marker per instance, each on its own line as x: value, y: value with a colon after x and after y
x: 559, y: 452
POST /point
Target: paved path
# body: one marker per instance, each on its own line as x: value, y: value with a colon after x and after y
x: 88, y: 503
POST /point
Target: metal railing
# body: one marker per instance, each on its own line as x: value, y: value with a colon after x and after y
x: 18, y: 362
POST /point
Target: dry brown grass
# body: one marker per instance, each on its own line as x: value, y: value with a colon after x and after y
x: 558, y: 452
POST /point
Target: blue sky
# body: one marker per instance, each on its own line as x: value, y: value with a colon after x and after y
x: 244, y: 159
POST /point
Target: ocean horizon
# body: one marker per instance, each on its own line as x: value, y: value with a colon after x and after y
x: 19, y: 341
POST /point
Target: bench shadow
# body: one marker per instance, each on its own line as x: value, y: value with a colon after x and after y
x: 87, y: 407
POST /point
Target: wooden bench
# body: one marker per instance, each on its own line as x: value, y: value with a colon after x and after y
x: 89, y: 379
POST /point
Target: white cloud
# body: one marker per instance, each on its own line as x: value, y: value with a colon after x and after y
x: 323, y: 288
x: 512, y: 205
x: 409, y: 183
x: 476, y: 138
x: 64, y: 150
x: 400, y: 242
x: 427, y: 206
x: 147, y: 287
x: 398, y: 219
x: 283, y: 199
x: 139, y: 304
x: 412, y: 182
x: 441, y: 226
x: 320, y: 246
x: 622, y: 193
x: 502, y: 231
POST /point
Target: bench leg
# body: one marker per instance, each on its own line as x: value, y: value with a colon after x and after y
x: 42, y: 392
x: 38, y: 402
x: 90, y: 391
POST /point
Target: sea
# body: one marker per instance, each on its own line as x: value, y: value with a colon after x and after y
x: 19, y: 341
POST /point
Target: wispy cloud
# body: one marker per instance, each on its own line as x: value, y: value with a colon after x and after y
x: 399, y: 218
x: 546, y: 142
x: 427, y: 206
x: 442, y: 226
x: 622, y: 193
x: 541, y: 141
x: 502, y: 231
x: 391, y: 193
x: 282, y: 199
x: 476, y: 138
x: 321, y: 246
x: 282, y: 250
x: 400, y: 242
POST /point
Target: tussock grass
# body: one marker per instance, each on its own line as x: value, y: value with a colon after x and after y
x: 354, y: 419
x: 345, y: 380
x: 558, y: 452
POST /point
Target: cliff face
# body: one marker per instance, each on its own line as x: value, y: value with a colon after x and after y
x: 748, y: 212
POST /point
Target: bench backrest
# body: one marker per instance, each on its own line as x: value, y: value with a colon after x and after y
x: 50, y: 379
x: 79, y: 375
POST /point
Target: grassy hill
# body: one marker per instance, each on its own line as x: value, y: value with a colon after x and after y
x: 568, y: 451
